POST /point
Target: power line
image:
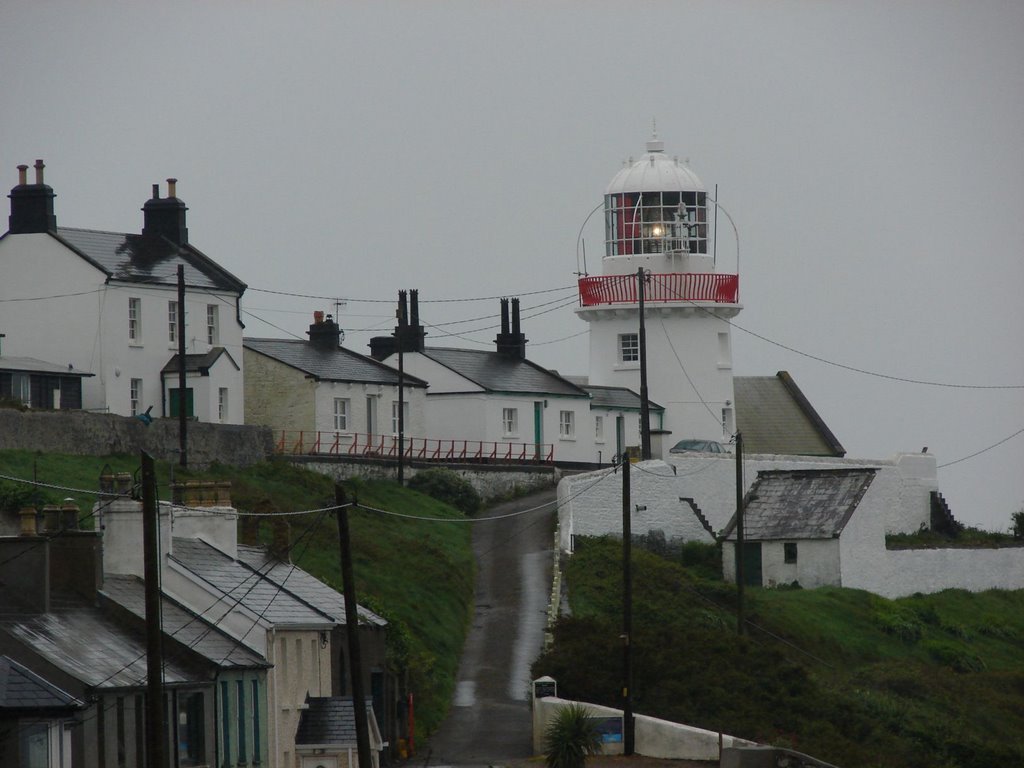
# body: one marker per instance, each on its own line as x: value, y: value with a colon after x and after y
x: 422, y: 301
x: 983, y: 450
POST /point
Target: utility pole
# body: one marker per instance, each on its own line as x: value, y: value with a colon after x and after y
x: 355, y: 661
x: 182, y: 400
x: 156, y: 728
x: 627, y: 614
x: 740, y: 622
x: 400, y: 333
x: 645, y: 409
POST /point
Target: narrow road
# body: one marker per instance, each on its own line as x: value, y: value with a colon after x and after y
x: 490, y: 718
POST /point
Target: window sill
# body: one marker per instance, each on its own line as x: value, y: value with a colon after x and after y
x: 627, y: 367
x: 571, y: 439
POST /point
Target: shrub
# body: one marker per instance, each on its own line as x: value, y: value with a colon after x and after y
x: 444, y: 485
x: 954, y: 657
x: 570, y: 737
x: 1017, y: 524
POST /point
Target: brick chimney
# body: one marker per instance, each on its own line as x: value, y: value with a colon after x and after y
x: 324, y: 333
x: 31, y: 204
x: 409, y: 335
x: 165, y: 217
x: 511, y: 342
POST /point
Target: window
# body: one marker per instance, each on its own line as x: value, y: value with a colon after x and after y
x: 394, y: 417
x: 789, y: 551
x: 172, y: 322
x: 599, y: 429
x: 35, y: 745
x: 135, y: 321
x: 256, y: 756
x: 240, y: 686
x: 510, y: 421
x: 212, y: 324
x: 135, y: 396
x: 629, y: 347
x: 222, y: 404
x: 340, y: 414
x: 566, y: 425
x: 190, y: 736
x: 21, y: 388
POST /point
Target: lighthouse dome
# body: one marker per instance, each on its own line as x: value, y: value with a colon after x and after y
x: 655, y: 172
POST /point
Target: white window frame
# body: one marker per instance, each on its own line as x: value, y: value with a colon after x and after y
x: 629, y: 348
x: 566, y: 425
x: 135, y: 396
x: 342, y: 412
x: 134, y: 320
x: 172, y: 322
x: 222, y: 404
x: 510, y: 422
x: 394, y: 416
x: 212, y: 324
x: 21, y: 388
x: 598, y: 429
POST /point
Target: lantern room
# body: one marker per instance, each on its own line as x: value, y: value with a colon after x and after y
x: 655, y: 206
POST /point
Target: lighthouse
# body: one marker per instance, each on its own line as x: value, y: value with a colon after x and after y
x: 657, y: 219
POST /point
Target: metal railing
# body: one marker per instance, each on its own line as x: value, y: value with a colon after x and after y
x: 675, y: 286
x: 355, y: 444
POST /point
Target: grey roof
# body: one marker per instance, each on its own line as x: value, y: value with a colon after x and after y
x: 302, y: 585
x: 21, y: 688
x: 801, y: 504
x: 238, y: 583
x: 775, y: 417
x: 182, y: 625
x: 617, y: 398
x: 31, y: 365
x: 149, y: 260
x: 328, y: 720
x: 78, y: 639
x: 337, y: 364
x: 199, y: 363
x: 503, y: 373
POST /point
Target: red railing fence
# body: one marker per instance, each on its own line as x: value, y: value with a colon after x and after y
x: 675, y: 286
x: 312, y: 443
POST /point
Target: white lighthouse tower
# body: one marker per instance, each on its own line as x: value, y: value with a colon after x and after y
x: 656, y: 219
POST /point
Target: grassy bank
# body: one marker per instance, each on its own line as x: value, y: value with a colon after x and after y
x: 851, y: 678
x: 418, y: 574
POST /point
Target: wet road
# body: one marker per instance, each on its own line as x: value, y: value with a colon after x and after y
x: 490, y: 717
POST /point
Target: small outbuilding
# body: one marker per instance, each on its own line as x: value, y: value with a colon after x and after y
x: 326, y: 737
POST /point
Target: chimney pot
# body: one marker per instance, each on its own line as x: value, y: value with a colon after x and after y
x: 171, y: 187
x: 22, y: 175
x: 39, y: 171
x: 28, y: 521
x: 318, y: 316
x: 156, y: 191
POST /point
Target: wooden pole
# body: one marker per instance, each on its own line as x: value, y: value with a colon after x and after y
x: 156, y: 728
x: 627, y: 614
x: 645, y: 408
x: 182, y: 399
x: 740, y: 622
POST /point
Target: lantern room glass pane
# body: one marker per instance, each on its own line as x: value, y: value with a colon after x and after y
x: 655, y: 222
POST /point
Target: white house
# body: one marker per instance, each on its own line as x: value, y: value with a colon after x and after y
x: 339, y: 400
x: 106, y: 303
x: 508, y: 404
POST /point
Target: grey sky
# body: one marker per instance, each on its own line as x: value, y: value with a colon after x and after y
x: 871, y: 154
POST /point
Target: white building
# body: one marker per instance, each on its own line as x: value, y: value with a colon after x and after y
x: 106, y: 303
x: 656, y: 220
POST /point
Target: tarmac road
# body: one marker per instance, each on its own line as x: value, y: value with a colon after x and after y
x: 490, y: 719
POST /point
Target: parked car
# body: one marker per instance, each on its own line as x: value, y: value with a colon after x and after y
x: 698, y: 446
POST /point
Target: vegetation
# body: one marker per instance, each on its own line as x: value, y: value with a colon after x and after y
x: 570, y: 737
x: 966, y: 538
x: 429, y: 615
x: 445, y: 485
x: 844, y: 675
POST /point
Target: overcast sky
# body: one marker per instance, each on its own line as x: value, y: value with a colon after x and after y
x: 870, y: 153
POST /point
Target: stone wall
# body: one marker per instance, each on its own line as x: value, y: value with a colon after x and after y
x: 100, y: 434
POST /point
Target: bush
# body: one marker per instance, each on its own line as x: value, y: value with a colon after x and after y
x: 954, y: 657
x: 444, y: 485
x: 570, y: 737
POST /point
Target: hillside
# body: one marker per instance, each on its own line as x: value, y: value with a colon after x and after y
x: 417, y: 574
x: 851, y: 678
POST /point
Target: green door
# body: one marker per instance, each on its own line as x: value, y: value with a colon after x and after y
x: 538, y: 429
x: 172, y: 395
x: 752, y: 563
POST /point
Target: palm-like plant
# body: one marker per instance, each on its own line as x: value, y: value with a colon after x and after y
x: 570, y: 737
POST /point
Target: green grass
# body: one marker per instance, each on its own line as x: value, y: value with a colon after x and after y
x: 418, y: 574
x: 849, y: 677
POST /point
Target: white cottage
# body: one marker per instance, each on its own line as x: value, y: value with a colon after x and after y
x: 106, y: 304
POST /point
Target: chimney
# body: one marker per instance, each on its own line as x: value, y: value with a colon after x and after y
x: 324, y: 333
x: 165, y: 217
x: 409, y: 335
x: 511, y: 342
x: 31, y: 204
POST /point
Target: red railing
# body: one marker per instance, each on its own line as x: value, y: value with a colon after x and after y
x: 299, y: 442
x: 677, y: 286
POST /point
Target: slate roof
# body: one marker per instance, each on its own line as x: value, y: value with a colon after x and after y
x: 254, y: 591
x: 338, y: 364
x: 31, y: 365
x: 199, y: 363
x: 328, y: 720
x: 21, y: 688
x: 495, y: 372
x: 775, y: 417
x: 78, y: 639
x: 150, y: 260
x: 183, y: 625
x: 617, y: 398
x: 302, y: 585
x: 801, y: 504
